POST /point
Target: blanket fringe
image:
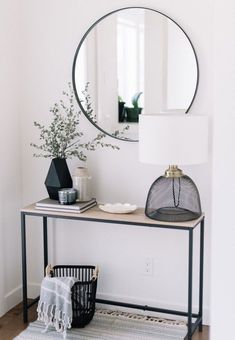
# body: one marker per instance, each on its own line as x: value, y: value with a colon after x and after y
x: 52, y: 316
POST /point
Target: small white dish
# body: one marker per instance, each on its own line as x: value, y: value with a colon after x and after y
x: 118, y: 208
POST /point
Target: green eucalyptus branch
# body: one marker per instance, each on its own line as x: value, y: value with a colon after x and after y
x: 62, y: 138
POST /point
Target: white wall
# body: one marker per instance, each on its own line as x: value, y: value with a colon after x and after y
x: 10, y: 175
x: 51, y: 33
x: 223, y: 236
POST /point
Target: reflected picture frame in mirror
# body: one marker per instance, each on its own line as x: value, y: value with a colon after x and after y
x: 103, y: 96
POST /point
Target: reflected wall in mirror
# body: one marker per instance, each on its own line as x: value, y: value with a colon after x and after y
x: 135, y: 61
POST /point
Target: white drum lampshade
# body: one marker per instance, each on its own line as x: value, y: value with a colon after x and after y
x: 173, y: 140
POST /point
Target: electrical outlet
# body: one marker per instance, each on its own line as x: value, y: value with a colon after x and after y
x: 148, y: 266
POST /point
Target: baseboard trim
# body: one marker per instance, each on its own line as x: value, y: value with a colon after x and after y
x: 33, y: 290
x: 14, y: 297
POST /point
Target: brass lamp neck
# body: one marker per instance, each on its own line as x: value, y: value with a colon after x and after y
x: 173, y: 172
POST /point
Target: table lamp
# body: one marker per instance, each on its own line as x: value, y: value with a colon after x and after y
x: 173, y: 140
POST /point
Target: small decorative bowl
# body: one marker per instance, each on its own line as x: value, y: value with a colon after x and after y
x: 118, y: 208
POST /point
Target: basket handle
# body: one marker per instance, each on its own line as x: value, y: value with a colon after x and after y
x: 49, y: 270
x: 95, y: 273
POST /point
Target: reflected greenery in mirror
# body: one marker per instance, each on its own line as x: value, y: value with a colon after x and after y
x: 87, y: 104
x: 136, y: 60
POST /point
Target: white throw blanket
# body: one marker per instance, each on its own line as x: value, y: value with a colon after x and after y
x: 55, y: 306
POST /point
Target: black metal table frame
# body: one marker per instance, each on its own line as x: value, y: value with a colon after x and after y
x: 192, y: 326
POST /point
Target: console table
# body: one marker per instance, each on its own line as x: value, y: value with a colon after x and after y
x: 137, y: 218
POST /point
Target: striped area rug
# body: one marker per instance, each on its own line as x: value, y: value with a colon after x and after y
x: 113, y: 325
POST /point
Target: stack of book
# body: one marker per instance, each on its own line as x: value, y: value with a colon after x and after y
x: 52, y: 205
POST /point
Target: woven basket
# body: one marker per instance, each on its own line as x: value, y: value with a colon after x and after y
x: 83, y: 292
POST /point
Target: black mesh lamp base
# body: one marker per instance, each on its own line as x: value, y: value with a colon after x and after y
x: 173, y: 199
x: 172, y: 214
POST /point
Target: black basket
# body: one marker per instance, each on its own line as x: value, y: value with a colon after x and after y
x: 83, y: 292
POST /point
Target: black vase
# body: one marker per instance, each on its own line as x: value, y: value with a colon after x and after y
x: 58, y: 177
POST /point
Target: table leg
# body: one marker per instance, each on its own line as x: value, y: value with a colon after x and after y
x: 201, y: 273
x: 190, y: 283
x: 24, y: 268
x: 45, y: 242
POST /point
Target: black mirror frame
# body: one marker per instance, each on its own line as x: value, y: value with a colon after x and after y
x: 79, y: 47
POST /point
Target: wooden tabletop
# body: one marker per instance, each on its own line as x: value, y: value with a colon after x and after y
x: 137, y: 217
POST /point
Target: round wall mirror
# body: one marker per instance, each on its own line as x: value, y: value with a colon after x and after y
x: 133, y: 61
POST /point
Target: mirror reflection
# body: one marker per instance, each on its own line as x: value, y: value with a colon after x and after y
x: 134, y: 61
